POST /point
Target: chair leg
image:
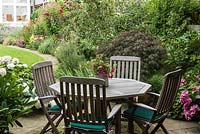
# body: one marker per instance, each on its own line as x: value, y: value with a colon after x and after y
x: 67, y: 130
x: 44, y: 130
x: 145, y: 131
x: 118, y: 123
x: 164, y: 129
x: 109, y: 106
x: 130, y: 126
x: 160, y: 124
x: 55, y: 130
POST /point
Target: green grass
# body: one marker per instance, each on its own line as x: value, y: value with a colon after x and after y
x: 23, y: 56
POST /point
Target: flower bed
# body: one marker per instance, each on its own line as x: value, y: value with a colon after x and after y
x: 15, y: 92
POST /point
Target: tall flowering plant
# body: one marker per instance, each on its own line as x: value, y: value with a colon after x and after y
x: 189, y: 97
x: 15, y: 94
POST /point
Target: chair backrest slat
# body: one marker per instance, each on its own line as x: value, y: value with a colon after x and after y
x: 79, y: 102
x: 126, y: 67
x: 87, y: 92
x: 169, y: 91
x: 43, y: 76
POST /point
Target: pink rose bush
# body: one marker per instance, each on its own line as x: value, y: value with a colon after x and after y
x: 188, y: 97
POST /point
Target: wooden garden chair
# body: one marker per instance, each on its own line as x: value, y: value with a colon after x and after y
x: 93, y: 118
x: 125, y: 67
x: 145, y: 115
x: 43, y: 76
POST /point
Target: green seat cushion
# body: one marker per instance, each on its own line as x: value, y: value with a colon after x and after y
x: 57, y: 108
x: 87, y: 126
x: 54, y: 108
x: 92, y: 127
x: 139, y: 112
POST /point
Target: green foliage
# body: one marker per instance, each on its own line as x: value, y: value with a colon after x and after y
x: 165, y: 18
x: 10, y: 41
x: 15, y: 97
x: 185, y: 50
x: 189, y: 82
x: 156, y: 81
x: 14, y: 39
x: 48, y: 46
x: 71, y: 62
x: 130, y: 15
x: 193, y: 11
x: 137, y: 43
x: 3, y: 32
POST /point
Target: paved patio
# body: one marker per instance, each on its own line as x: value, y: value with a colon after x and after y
x: 34, y: 122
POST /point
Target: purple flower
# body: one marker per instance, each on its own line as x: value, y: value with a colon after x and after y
x: 198, y: 77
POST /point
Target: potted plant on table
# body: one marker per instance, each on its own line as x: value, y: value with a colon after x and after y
x: 101, y: 68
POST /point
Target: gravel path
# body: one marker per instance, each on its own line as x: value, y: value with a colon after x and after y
x: 46, y: 57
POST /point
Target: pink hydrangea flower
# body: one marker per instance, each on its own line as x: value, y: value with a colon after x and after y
x: 198, y: 77
x: 185, y: 99
x: 191, y: 111
x: 196, y: 88
x: 183, y: 82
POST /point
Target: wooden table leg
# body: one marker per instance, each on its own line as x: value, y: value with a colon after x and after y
x: 130, y: 126
x: 118, y: 123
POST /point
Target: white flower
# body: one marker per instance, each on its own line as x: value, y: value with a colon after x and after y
x: 1, y: 60
x: 10, y: 66
x: 2, y: 72
x: 15, y: 60
x: 24, y: 84
x: 6, y: 59
x: 25, y: 65
x: 26, y: 89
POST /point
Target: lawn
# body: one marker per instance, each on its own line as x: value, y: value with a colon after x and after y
x: 24, y: 56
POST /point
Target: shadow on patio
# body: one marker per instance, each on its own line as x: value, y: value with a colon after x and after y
x: 34, y: 122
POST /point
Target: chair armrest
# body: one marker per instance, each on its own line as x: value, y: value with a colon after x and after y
x: 114, y: 110
x: 47, y: 97
x: 154, y: 94
x: 144, y: 106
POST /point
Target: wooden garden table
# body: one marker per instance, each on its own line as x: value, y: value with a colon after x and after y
x: 119, y: 88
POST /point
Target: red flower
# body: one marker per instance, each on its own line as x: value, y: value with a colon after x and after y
x: 61, y: 10
x: 46, y: 14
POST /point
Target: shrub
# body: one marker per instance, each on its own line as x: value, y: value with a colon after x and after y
x: 3, y: 32
x: 186, y: 105
x: 71, y: 62
x: 156, y: 81
x: 184, y: 50
x: 48, y: 46
x: 137, y: 43
x: 10, y: 41
x: 15, y: 95
x: 165, y: 18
